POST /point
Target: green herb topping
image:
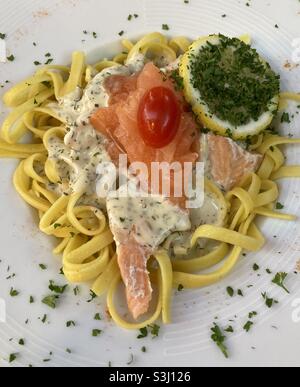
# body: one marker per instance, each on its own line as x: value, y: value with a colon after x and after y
x: 279, y: 280
x: 236, y: 85
x: 269, y: 301
x: 230, y: 291
x: 248, y: 326
x: 96, y: 332
x: 56, y: 288
x: 219, y: 339
x: 50, y: 301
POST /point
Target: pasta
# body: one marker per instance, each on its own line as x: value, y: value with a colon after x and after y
x: 82, y: 230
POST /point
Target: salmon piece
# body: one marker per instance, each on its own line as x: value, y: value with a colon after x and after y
x: 229, y: 162
x: 118, y: 87
x: 132, y: 260
x: 119, y: 120
x: 140, y: 225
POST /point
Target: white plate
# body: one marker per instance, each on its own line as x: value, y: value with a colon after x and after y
x: 57, y: 27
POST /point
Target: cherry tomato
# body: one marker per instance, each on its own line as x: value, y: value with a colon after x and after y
x: 159, y: 117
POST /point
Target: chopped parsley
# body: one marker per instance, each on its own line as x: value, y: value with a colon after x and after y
x: 180, y: 288
x: 229, y: 329
x: 229, y: 133
x: 279, y: 206
x: 12, y: 357
x: 143, y: 333
x: 31, y: 300
x: 56, y: 225
x: 76, y: 290
x: 48, y: 61
x: 56, y: 288
x: 144, y: 349
x: 11, y: 58
x: 219, y: 339
x: 233, y: 81
x: 285, y: 118
x: 165, y: 27
x: 177, y: 80
x: 70, y: 323
x: 22, y: 342
x: 96, y: 332
x: 93, y: 296
x: 279, y: 280
x: 13, y: 292
x: 42, y: 266
x: 154, y: 330
x: 255, y: 267
x: 252, y: 314
x: 2, y: 36
x: 97, y: 317
x: 230, y: 291
x: 240, y: 293
x: 121, y: 33
x: 51, y: 301
x: 248, y: 326
x: 269, y: 301
x: 37, y: 63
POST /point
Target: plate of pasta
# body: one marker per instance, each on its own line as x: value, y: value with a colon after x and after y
x: 150, y: 186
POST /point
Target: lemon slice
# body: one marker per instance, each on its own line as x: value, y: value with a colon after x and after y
x: 219, y: 101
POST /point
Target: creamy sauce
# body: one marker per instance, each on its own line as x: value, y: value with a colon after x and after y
x: 172, y: 66
x: 78, y: 156
x: 149, y: 219
x: 77, y: 164
x: 179, y: 243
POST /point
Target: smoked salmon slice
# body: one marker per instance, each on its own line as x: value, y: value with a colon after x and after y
x: 118, y: 87
x: 227, y: 162
x: 119, y: 121
x: 139, y: 226
x: 132, y: 260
